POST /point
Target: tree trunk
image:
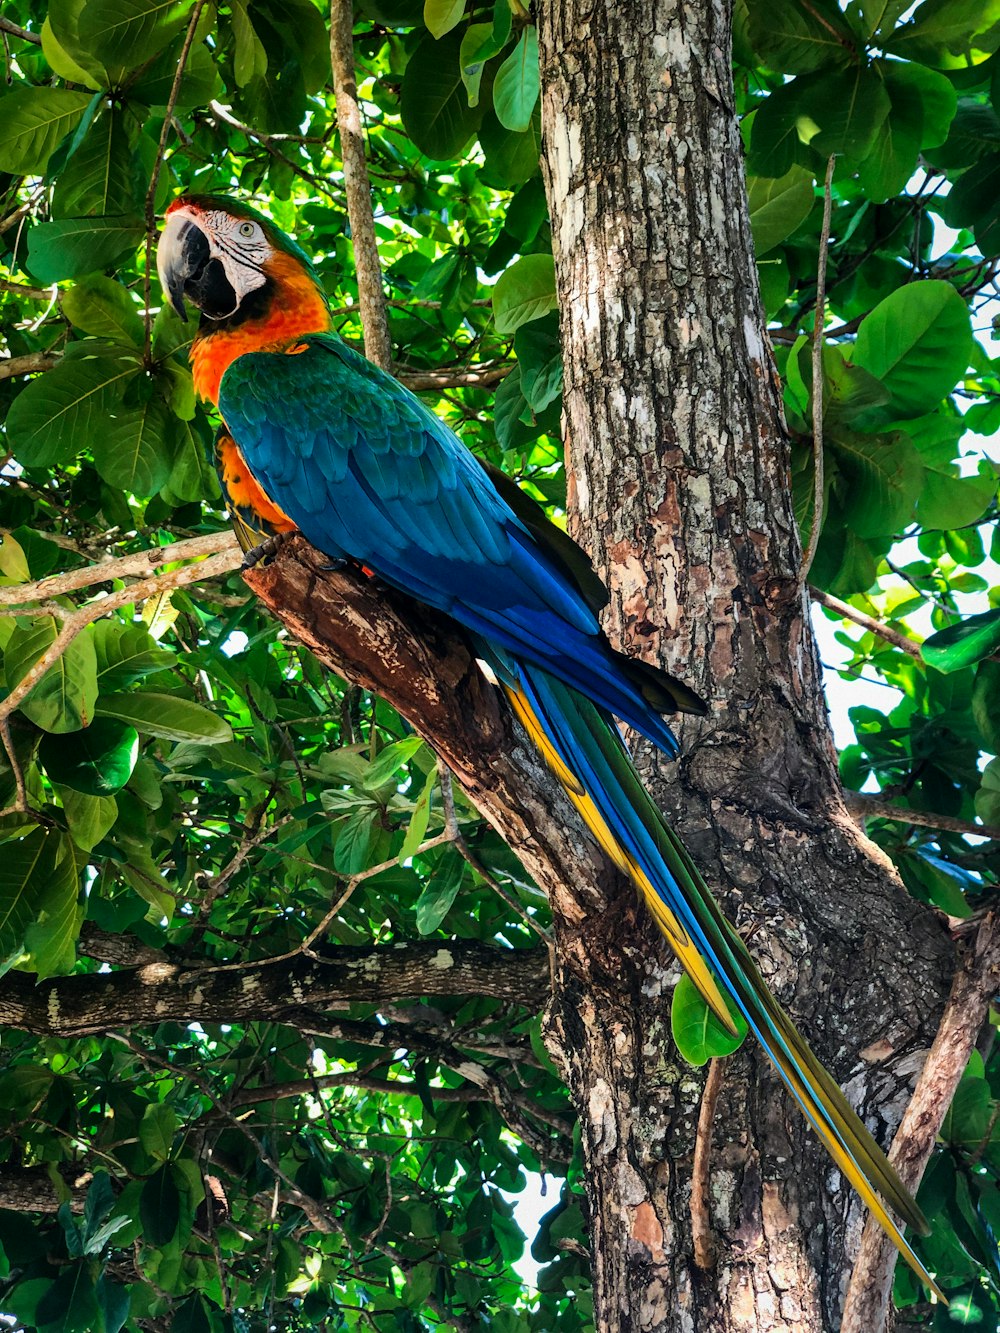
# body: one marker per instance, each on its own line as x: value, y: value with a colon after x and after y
x: 681, y: 489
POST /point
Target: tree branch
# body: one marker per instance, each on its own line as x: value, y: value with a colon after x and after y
x: 135, y: 592
x: 371, y: 295
x: 7, y: 26
x: 867, y: 622
x: 972, y: 991
x: 136, y: 564
x: 475, y: 377
x: 817, y: 376
x: 863, y: 806
x: 269, y: 989
x: 29, y: 364
x: 702, y: 1236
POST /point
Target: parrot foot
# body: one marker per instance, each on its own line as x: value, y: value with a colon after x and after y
x: 334, y: 566
x: 265, y: 551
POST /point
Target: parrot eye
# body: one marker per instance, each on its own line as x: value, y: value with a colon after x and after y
x: 246, y: 229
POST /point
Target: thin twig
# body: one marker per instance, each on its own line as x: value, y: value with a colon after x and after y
x: 817, y: 376
x: 972, y: 991
x: 702, y: 1235
x: 371, y: 294
x: 268, y: 141
x: 23, y: 33
x: 252, y: 839
x: 86, y: 615
x: 474, y: 377
x: 22, y: 289
x: 136, y: 564
x: 877, y: 627
x: 21, y: 804
x: 154, y: 179
x: 872, y: 807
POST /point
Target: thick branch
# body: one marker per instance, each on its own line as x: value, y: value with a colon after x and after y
x: 864, y: 806
x: 371, y: 294
x: 475, y: 377
x: 972, y: 991
x: 255, y: 992
x: 7, y: 26
x: 30, y: 1189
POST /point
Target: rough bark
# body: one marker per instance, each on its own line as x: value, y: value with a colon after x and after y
x: 679, y: 459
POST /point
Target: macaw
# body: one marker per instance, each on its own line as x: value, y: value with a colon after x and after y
x: 318, y: 440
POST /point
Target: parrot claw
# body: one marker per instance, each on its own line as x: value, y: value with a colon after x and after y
x: 265, y: 551
x: 334, y: 566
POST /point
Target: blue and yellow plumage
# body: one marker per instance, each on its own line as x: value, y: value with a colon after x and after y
x: 321, y: 441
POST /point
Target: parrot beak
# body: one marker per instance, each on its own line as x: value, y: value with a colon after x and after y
x: 190, y: 266
x: 181, y: 258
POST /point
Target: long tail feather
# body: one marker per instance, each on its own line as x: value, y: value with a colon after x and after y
x: 581, y: 744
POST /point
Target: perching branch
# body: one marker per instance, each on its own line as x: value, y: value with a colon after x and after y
x: 474, y: 377
x: 702, y: 1236
x: 78, y: 621
x: 819, y: 318
x: 864, y: 806
x: 867, y: 622
x: 378, y: 346
x: 7, y: 26
x: 154, y: 179
x: 972, y: 991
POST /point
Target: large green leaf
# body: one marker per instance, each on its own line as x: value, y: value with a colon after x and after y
x: 65, y: 697
x: 66, y: 409
x: 442, y: 888
x: 126, y: 654
x: 97, y: 761
x: 918, y: 342
x: 527, y: 290
x: 130, y: 32
x: 104, y: 175
x: 948, y: 34
x: 516, y: 86
x: 135, y: 448
x: 963, y: 644
x: 433, y: 100
x: 100, y: 306
x: 441, y: 16
x: 160, y: 1206
x: 76, y: 246
x: 38, y: 887
x: 881, y: 477
x: 796, y: 36
x: 34, y: 122
x: 699, y: 1035
x: 974, y: 201
x: 779, y: 206
x: 167, y: 716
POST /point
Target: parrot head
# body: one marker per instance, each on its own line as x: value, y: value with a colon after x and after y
x: 227, y: 259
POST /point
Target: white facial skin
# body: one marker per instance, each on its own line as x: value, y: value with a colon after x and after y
x: 239, y: 244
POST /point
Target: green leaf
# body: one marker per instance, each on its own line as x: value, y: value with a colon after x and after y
x: 35, y: 120
x: 796, y: 36
x: 126, y: 654
x: 918, y: 342
x: 61, y: 412
x: 440, y: 16
x: 527, y: 290
x: 881, y: 477
x: 973, y: 202
x: 516, y: 86
x: 988, y: 795
x: 698, y: 1034
x: 97, y: 761
x: 74, y: 68
x: 539, y: 355
x: 166, y: 716
x: 38, y: 886
x: 475, y: 40
x: 417, y: 829
x: 779, y: 207
x: 160, y: 1206
x: 433, y: 102
x: 70, y: 1304
x: 65, y: 697
x: 191, y: 1317
x: 949, y: 501
x: 100, y: 306
x: 128, y: 33
x: 76, y: 246
x: 350, y: 855
x: 511, y: 159
x: 157, y: 1129
x: 391, y: 760
x: 441, y: 890
x: 132, y: 450
x: 949, y: 34
x: 13, y: 561
x: 104, y: 174
x: 963, y: 644
x: 89, y: 817
x: 848, y: 390
x: 986, y: 704
x: 250, y: 58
